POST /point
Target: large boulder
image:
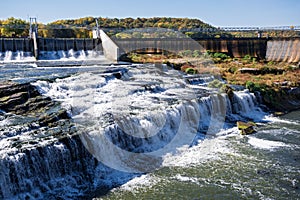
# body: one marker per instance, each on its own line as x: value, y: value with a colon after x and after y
x: 246, y: 128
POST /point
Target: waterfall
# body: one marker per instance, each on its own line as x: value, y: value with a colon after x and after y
x: 245, y: 104
x: 8, y: 56
x: 127, y: 117
x: 37, y: 172
x: 70, y: 55
x: 18, y: 56
x: 213, y: 110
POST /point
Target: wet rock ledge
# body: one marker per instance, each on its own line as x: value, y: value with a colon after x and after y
x: 24, y: 99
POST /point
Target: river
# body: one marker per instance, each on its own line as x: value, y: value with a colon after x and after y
x: 265, y: 165
x: 177, y: 140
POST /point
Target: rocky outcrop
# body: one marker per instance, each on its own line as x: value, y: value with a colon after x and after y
x: 24, y: 99
x: 284, y: 99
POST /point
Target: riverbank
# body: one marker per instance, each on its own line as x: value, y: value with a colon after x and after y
x: 276, y: 84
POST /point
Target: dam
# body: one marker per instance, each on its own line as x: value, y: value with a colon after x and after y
x: 269, y: 49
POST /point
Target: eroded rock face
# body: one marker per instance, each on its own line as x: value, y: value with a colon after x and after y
x: 24, y: 99
x: 284, y: 100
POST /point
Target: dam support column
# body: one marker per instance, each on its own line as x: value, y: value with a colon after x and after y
x: 35, y: 46
x: 110, y: 48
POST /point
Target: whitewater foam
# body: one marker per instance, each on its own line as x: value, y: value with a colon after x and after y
x: 18, y: 56
x: 265, y: 144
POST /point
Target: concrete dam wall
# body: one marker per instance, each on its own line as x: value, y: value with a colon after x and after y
x: 16, y: 44
x: 287, y: 50
x: 233, y: 47
x: 65, y: 44
x: 49, y: 44
x: 236, y: 47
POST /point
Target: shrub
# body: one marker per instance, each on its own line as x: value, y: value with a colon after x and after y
x: 232, y: 69
x: 196, y: 54
x: 223, y: 56
x: 215, y: 84
x: 186, y: 66
x: 191, y: 71
x: 247, y: 57
x: 185, y: 53
x: 249, y: 85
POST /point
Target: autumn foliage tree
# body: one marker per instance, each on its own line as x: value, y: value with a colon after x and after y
x: 13, y: 27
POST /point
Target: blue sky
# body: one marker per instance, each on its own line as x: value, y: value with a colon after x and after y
x: 215, y: 12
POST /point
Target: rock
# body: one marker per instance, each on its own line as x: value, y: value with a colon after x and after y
x: 24, y: 99
x: 250, y: 71
x: 229, y: 91
x: 246, y: 128
x: 276, y: 114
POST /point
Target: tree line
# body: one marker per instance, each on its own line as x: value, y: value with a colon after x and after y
x: 82, y: 28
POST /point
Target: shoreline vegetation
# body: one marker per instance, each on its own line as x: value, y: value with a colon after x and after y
x: 83, y: 27
x: 277, y: 84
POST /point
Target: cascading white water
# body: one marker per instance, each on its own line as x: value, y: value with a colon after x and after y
x: 144, y: 111
x: 19, y: 56
x: 36, y: 172
x: 245, y: 104
x: 141, y: 110
x: 70, y: 55
x: 8, y: 56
